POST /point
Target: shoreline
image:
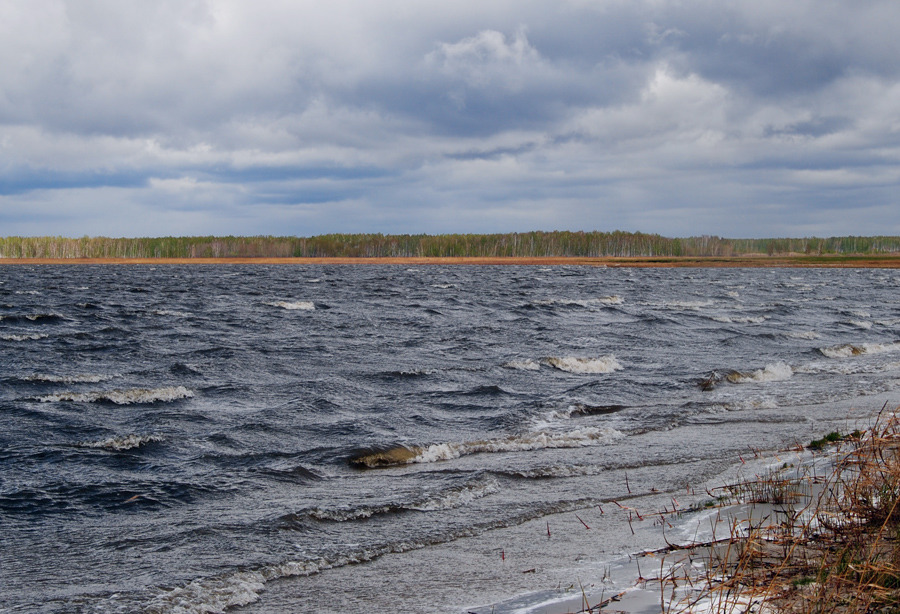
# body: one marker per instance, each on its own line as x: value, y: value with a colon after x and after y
x: 891, y: 261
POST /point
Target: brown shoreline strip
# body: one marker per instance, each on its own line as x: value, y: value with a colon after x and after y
x: 891, y: 261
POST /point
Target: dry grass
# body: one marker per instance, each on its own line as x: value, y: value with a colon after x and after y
x: 810, y: 544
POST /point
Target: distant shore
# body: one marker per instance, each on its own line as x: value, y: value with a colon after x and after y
x: 890, y: 261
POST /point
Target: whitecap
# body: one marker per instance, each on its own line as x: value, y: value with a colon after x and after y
x: 847, y: 350
x: 740, y: 320
x: 863, y: 324
x: 26, y: 337
x: 126, y: 442
x: 688, y: 305
x: 771, y: 373
x: 83, y: 378
x: 403, y: 455
x: 573, y: 364
x: 523, y: 365
x: 294, y: 306
x: 122, y: 397
x: 803, y: 334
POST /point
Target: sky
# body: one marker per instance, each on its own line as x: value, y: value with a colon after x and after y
x: 757, y: 118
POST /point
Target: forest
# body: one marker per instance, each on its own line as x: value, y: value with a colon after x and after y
x: 517, y: 244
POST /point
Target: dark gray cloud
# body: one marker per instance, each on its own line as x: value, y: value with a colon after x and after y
x: 224, y: 116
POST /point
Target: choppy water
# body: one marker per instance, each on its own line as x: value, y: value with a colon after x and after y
x: 179, y: 439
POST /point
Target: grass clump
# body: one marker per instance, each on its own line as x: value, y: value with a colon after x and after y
x: 833, y: 549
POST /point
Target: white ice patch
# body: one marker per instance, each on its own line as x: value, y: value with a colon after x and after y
x: 294, y: 306
x: 123, y: 397
x: 573, y: 364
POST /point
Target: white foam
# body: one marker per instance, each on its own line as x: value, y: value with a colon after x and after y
x: 457, y: 497
x: 573, y: 364
x: 169, y: 312
x: 847, y: 350
x: 688, y: 305
x: 590, y: 436
x: 26, y: 337
x: 523, y: 365
x: 122, y: 397
x: 771, y: 373
x: 740, y: 320
x: 294, y: 306
x: 589, y: 302
x: 82, y: 378
x: 803, y: 334
x: 127, y: 442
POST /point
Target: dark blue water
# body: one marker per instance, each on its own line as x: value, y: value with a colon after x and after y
x: 198, y: 438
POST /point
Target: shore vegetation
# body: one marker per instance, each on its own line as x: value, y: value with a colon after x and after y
x: 535, y: 244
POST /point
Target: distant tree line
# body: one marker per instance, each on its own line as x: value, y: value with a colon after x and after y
x: 522, y: 244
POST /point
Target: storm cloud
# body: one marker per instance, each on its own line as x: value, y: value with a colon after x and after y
x: 177, y: 117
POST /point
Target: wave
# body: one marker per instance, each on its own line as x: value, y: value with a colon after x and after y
x: 687, y: 305
x: 120, y: 444
x: 26, y: 337
x: 452, y: 498
x: 39, y: 318
x: 169, y: 312
x: 123, y: 397
x: 523, y: 365
x: 294, y: 306
x: 68, y: 379
x: 863, y: 324
x: 771, y: 373
x: 740, y: 320
x: 847, y: 350
x: 572, y: 364
x: 404, y: 455
x: 803, y: 334
x: 601, y: 301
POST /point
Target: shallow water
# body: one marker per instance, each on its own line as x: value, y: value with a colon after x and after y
x: 179, y: 438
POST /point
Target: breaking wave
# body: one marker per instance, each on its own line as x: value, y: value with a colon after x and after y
x: 572, y: 364
x: 68, y: 379
x: 847, y: 350
x: 601, y: 301
x: 404, y: 455
x: 123, y: 397
x: 804, y: 334
x: 771, y: 373
x: 120, y: 444
x: 294, y: 306
x: 740, y: 320
x: 27, y: 337
x: 523, y: 365
x: 450, y: 499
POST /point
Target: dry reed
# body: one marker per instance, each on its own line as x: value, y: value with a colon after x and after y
x: 810, y: 544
